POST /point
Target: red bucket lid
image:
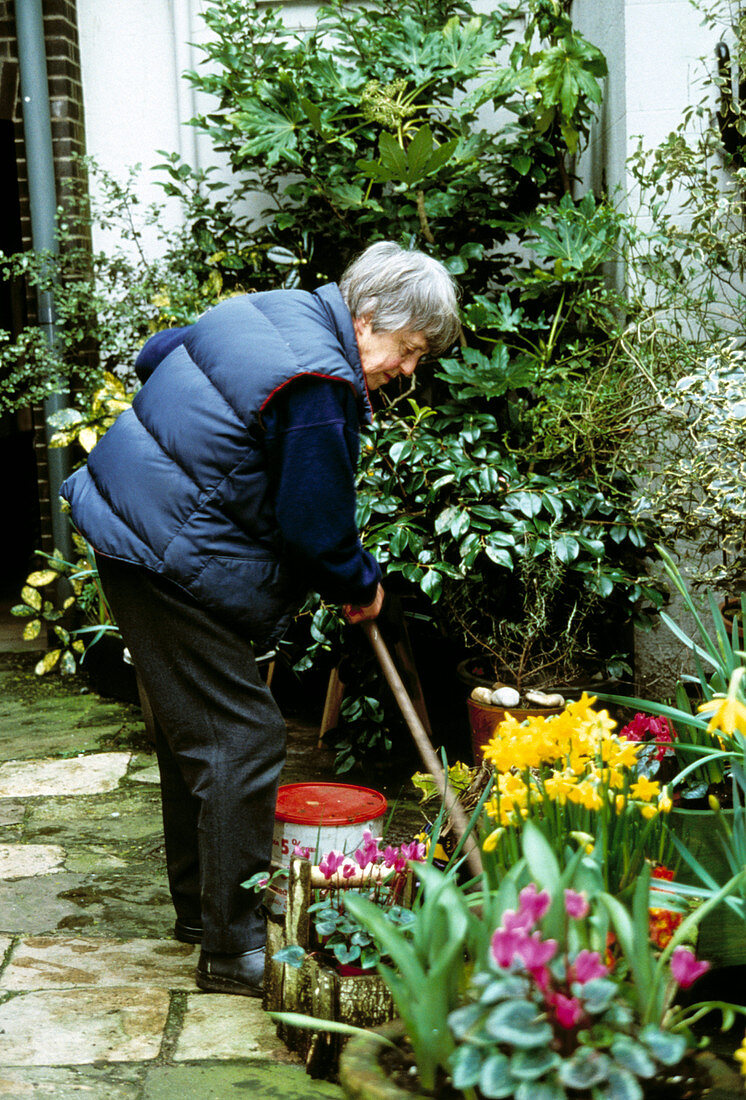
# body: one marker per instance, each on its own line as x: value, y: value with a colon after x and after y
x: 328, y: 804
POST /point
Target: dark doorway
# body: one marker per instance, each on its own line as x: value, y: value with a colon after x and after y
x: 20, y: 529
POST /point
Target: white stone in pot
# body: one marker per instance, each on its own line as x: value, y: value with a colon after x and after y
x: 481, y: 695
x: 540, y: 699
x: 506, y: 697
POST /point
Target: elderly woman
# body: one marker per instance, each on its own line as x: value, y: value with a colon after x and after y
x: 214, y: 504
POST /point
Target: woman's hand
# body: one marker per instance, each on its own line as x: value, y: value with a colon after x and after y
x: 360, y: 614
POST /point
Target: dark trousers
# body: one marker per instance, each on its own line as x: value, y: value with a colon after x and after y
x: 220, y: 743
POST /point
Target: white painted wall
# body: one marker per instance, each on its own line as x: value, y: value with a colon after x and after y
x: 136, y: 101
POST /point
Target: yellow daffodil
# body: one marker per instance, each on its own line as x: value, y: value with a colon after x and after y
x: 740, y: 1056
x: 645, y: 789
x: 649, y: 810
x: 728, y: 715
x: 493, y: 840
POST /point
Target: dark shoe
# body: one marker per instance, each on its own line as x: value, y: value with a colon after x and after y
x: 187, y: 933
x: 243, y: 974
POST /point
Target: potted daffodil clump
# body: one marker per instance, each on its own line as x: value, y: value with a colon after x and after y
x: 581, y: 783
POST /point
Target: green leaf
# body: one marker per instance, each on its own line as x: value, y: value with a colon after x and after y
x: 495, y: 1079
x: 527, y: 503
x: 632, y: 1056
x: 32, y: 630
x: 292, y: 955
x: 519, y: 1023
x: 466, y: 1065
x: 498, y: 556
x: 566, y: 548
x: 622, y: 1085
x: 597, y: 994
x: 22, y: 610
x: 68, y: 665
x: 667, y: 1047
x: 32, y: 597
x: 48, y: 662
x: 463, y: 1019
x: 539, y: 1090
x: 584, y: 1069
x: 529, y: 1065
x: 432, y: 584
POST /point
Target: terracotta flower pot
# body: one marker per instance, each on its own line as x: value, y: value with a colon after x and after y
x: 364, y: 1076
x: 485, y: 718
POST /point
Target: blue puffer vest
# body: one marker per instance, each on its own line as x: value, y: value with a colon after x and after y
x: 179, y: 484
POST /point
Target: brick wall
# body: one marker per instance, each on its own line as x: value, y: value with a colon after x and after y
x: 68, y: 139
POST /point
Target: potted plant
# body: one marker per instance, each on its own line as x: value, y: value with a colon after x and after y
x: 547, y: 1010
x: 321, y: 959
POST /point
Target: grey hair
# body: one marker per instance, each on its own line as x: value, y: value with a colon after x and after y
x: 399, y: 288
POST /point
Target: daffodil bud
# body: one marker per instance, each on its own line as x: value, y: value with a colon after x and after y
x: 714, y: 804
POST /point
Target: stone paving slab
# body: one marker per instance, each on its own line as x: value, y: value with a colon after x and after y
x: 126, y: 906
x: 216, y: 1026
x: 126, y: 814
x: 61, y: 962
x: 123, y: 1082
x: 92, y: 774
x: 27, y: 860
x: 5, y: 942
x: 220, y: 1081
x: 147, y: 775
x: 68, y: 1027
x: 11, y: 813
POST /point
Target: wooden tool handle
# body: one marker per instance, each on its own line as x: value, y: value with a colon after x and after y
x: 424, y: 747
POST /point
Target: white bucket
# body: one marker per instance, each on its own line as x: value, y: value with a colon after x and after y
x: 320, y: 817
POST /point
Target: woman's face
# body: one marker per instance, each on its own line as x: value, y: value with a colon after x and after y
x: 386, y: 355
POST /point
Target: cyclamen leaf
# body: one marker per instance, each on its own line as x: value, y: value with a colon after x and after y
x: 667, y: 1047
x: 495, y: 1079
x: 529, y: 1065
x: 466, y: 1066
x: 519, y: 1023
x: 622, y: 1085
x: 632, y: 1056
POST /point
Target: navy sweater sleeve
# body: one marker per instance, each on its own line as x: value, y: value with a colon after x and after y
x: 312, y: 443
x: 155, y: 350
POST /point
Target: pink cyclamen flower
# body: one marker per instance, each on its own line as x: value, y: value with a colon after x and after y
x: 348, y: 870
x: 519, y: 921
x: 576, y: 905
x: 646, y: 727
x: 536, y: 952
x: 506, y: 942
x: 301, y: 851
x: 686, y: 968
x: 331, y: 863
x: 568, y: 1010
x: 415, y: 851
x: 533, y: 902
x: 587, y: 966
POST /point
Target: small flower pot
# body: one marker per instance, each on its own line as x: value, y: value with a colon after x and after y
x: 363, y: 1073
x: 485, y: 718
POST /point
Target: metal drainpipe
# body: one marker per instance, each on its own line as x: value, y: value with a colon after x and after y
x: 37, y: 127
